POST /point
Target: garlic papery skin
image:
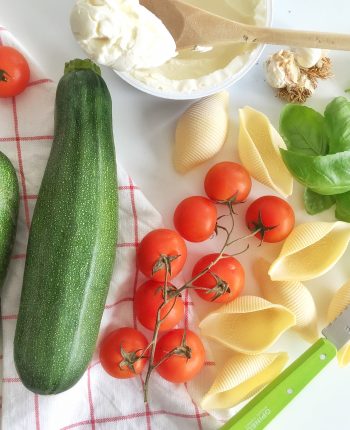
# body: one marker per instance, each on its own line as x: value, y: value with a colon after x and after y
x: 281, y: 69
x: 305, y: 82
x: 308, y: 57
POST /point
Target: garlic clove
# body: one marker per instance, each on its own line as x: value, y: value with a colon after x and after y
x: 281, y: 69
x: 305, y: 83
x: 307, y: 57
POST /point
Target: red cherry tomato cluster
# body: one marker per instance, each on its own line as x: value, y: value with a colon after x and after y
x: 179, y: 354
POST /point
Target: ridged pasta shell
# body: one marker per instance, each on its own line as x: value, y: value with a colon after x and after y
x: 258, y: 146
x: 291, y: 294
x: 339, y: 302
x: 310, y: 250
x: 248, y: 325
x: 242, y: 377
x: 201, y: 131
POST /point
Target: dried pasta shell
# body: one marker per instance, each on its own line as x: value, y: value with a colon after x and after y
x: 294, y: 296
x: 258, y: 146
x: 310, y: 250
x: 201, y: 131
x: 242, y: 377
x: 339, y: 302
x: 248, y: 325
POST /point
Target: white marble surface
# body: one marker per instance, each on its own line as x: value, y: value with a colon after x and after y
x: 144, y: 128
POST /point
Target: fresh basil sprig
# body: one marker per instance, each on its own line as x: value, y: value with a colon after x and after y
x: 318, y: 154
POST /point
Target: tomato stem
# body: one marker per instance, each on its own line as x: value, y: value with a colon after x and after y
x: 4, y: 76
x: 153, y: 343
x: 164, y: 262
x: 247, y: 236
x: 130, y: 358
x: 259, y: 226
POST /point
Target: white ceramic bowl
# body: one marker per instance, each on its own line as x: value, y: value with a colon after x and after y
x: 207, y: 91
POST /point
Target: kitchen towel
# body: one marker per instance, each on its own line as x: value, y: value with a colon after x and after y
x: 97, y: 401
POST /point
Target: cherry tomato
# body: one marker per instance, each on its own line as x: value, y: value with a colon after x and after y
x: 228, y: 180
x: 126, y: 339
x: 159, y: 244
x: 180, y: 368
x: 148, y: 297
x: 14, y: 72
x: 273, y: 215
x: 226, y: 273
x: 195, y: 218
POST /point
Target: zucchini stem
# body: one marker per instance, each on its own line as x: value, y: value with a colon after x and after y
x: 79, y: 64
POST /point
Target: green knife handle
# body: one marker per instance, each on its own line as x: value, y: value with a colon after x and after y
x: 261, y: 410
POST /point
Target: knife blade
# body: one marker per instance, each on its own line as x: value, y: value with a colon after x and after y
x: 338, y: 331
x: 266, y: 405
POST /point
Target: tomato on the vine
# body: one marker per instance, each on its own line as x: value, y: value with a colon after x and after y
x: 195, y: 218
x: 14, y: 72
x: 227, y: 181
x: 188, y: 360
x: 161, y: 249
x: 120, y: 351
x: 272, y: 216
x: 225, y: 279
x: 149, y: 297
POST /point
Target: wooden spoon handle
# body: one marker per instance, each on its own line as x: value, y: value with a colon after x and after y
x: 297, y: 38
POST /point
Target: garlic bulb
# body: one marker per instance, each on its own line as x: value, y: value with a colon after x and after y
x: 281, y: 69
x: 308, y: 57
x: 294, y: 73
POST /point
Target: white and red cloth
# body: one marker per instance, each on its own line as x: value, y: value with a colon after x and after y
x: 97, y: 401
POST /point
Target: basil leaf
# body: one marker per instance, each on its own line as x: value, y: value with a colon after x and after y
x: 316, y: 203
x: 304, y: 130
x: 342, y: 210
x: 323, y: 174
x: 337, y: 115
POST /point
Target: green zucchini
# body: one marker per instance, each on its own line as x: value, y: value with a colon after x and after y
x: 9, y: 198
x: 72, y: 241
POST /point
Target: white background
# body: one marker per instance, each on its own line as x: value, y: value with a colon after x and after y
x: 144, y: 129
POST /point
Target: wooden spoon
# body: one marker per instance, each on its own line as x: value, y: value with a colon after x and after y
x: 191, y: 26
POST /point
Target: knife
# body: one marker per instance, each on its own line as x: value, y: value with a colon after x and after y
x: 265, y: 406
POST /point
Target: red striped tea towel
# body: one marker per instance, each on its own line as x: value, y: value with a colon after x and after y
x: 97, y: 401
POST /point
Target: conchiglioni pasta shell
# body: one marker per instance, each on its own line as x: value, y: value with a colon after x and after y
x: 310, y: 250
x: 339, y: 302
x: 201, y: 132
x: 248, y: 325
x: 258, y: 146
x: 242, y: 377
x: 291, y: 294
